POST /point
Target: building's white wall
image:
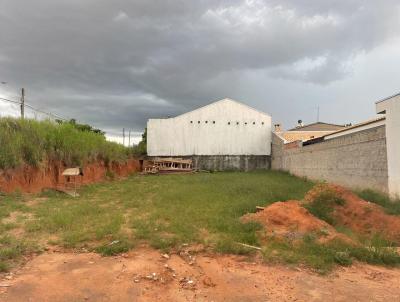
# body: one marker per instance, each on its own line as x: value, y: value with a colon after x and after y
x: 184, y: 135
x: 392, y: 108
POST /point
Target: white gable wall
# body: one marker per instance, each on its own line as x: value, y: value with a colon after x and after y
x: 185, y: 136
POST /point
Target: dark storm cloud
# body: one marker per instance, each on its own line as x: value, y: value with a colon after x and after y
x: 116, y: 63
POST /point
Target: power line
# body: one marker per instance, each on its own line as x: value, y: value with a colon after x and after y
x: 11, y: 101
x: 56, y: 116
x: 44, y: 112
x: 49, y: 114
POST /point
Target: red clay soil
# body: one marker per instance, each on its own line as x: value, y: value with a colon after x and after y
x: 144, y: 275
x: 360, y: 216
x: 289, y: 219
x: 35, y: 179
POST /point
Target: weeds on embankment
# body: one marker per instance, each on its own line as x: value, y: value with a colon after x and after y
x: 32, y: 142
x: 391, y: 206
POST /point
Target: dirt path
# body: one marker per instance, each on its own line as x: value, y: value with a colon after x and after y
x: 90, y: 277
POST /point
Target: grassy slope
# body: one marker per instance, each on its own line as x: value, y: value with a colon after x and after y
x: 32, y: 142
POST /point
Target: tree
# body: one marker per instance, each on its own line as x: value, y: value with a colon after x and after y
x: 82, y: 127
x: 141, y: 148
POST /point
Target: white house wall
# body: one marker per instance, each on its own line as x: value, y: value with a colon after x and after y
x: 206, y: 131
x: 391, y: 107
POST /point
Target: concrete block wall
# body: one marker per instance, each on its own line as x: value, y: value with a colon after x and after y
x: 357, y: 160
x: 227, y: 162
x: 232, y: 162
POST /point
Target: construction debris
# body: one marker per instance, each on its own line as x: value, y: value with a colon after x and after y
x: 187, y: 283
x: 168, y: 165
x: 152, y: 276
x: 166, y: 256
x: 249, y: 246
x: 258, y: 208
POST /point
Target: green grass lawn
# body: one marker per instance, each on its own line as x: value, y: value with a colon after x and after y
x: 166, y: 212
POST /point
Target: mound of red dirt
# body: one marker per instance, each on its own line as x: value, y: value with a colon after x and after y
x: 360, y: 216
x: 289, y: 219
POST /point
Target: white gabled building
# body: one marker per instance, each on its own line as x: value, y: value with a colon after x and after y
x: 225, y: 127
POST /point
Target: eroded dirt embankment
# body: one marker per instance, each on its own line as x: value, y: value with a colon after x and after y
x: 35, y: 179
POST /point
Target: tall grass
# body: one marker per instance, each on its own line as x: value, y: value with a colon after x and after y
x: 32, y: 142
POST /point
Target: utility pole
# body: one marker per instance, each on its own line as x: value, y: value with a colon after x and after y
x: 22, y: 103
x: 123, y: 136
x: 317, y: 113
x: 129, y: 140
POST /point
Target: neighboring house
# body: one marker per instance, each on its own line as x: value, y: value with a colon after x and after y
x: 380, y: 121
x: 363, y: 155
x: 354, y: 156
x: 307, y: 132
x: 223, y: 135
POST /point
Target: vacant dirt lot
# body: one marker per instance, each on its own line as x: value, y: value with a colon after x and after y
x: 47, y: 243
x: 146, y: 275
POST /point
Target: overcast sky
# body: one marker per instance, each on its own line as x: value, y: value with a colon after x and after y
x: 116, y: 63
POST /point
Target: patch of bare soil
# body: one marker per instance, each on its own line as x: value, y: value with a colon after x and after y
x: 359, y: 215
x: 147, y: 275
x: 290, y: 220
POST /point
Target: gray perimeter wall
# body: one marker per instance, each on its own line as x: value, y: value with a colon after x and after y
x: 229, y: 162
x: 232, y: 162
x: 357, y: 160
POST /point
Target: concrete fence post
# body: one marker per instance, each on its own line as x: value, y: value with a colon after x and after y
x: 391, y: 107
